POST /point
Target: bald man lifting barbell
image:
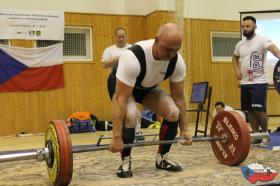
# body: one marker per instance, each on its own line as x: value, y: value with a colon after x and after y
x: 140, y: 70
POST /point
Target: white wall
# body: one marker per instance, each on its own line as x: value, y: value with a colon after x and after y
x: 226, y: 9
x: 87, y: 6
x: 129, y: 7
x: 204, y: 9
x: 141, y: 7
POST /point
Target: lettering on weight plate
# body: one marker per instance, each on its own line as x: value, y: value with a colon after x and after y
x: 220, y: 147
x: 219, y: 127
x: 232, y: 149
x: 231, y: 129
x: 225, y: 154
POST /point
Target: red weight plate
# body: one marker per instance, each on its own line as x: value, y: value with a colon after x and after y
x: 237, y: 146
x: 65, y: 163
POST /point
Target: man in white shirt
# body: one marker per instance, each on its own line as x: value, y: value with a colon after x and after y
x: 112, y: 53
x: 140, y: 70
x: 249, y: 61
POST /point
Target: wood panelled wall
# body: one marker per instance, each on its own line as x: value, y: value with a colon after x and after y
x: 85, y: 83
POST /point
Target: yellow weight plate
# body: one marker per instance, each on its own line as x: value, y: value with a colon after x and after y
x: 60, y: 164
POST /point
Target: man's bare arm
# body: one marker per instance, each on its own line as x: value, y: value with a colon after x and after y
x: 236, y: 66
x: 274, y: 50
x: 120, y: 99
x: 109, y: 62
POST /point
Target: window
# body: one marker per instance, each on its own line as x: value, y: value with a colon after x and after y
x: 77, y: 44
x: 223, y: 45
x: 4, y: 41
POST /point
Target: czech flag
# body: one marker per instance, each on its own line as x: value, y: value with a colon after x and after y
x: 31, y: 69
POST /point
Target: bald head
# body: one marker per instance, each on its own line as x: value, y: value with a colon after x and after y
x: 170, y: 31
x: 168, y: 41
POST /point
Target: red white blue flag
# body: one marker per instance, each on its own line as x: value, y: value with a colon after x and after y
x: 31, y: 69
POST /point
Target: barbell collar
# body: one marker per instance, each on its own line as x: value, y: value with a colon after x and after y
x: 259, y: 135
x: 39, y: 154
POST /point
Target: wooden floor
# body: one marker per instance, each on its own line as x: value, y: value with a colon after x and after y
x: 200, y: 166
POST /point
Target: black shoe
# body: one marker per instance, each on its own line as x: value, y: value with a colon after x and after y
x: 124, y: 171
x: 162, y: 162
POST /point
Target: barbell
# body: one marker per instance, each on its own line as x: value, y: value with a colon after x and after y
x: 229, y: 136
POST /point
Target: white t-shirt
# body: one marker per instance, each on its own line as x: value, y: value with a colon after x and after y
x: 113, y: 51
x: 129, y: 67
x: 228, y: 108
x: 253, y: 59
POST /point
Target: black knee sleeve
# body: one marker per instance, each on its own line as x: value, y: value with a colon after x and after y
x: 168, y: 131
x: 128, y: 138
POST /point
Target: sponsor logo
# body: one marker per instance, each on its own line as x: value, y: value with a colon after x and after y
x: 256, y: 106
x: 256, y: 65
x: 256, y: 172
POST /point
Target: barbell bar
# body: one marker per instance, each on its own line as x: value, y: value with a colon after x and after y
x: 43, y: 154
x: 256, y: 135
x: 102, y: 137
x: 229, y: 137
x: 39, y: 154
x: 89, y: 148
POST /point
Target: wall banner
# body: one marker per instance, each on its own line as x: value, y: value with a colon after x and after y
x: 30, y: 24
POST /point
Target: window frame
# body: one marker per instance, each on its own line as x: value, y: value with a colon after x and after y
x: 9, y: 42
x: 222, y: 34
x: 89, y: 45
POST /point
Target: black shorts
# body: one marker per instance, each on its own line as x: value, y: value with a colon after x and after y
x: 111, y: 85
x: 138, y: 94
x: 253, y: 97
